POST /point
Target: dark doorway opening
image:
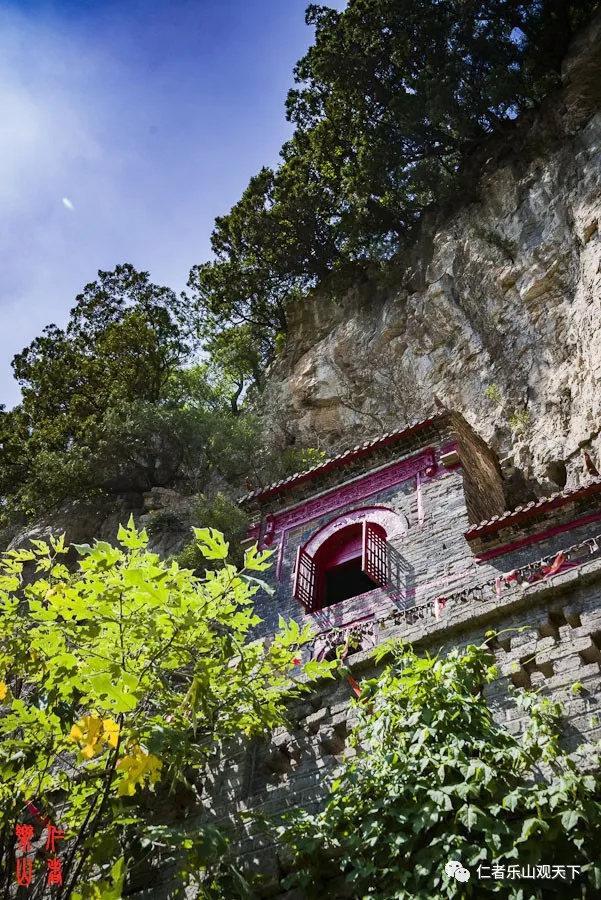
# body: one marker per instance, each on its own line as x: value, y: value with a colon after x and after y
x: 345, y: 581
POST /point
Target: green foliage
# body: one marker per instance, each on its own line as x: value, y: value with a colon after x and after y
x: 435, y: 779
x: 520, y: 421
x: 279, y: 342
x: 124, y: 338
x: 493, y: 393
x: 239, y: 353
x: 109, y: 407
x: 302, y: 459
x: 223, y: 515
x: 389, y: 101
x: 276, y: 459
x: 116, y: 683
x: 163, y: 520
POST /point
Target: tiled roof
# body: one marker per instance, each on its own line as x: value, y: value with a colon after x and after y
x: 340, y: 460
x: 591, y: 486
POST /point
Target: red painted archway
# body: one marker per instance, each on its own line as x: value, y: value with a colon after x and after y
x: 346, y: 557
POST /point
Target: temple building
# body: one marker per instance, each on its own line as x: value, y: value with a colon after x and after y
x: 412, y: 527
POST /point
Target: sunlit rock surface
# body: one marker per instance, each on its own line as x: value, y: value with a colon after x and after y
x: 496, y: 312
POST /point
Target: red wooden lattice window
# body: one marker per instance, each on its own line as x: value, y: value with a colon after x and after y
x: 305, y: 580
x: 375, y: 555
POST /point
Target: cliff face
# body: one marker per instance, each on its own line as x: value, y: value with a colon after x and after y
x: 167, y: 515
x: 496, y: 312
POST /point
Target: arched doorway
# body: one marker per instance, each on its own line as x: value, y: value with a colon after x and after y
x: 347, y: 557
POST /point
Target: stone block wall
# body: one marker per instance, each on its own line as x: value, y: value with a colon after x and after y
x: 559, y: 648
x: 483, y: 483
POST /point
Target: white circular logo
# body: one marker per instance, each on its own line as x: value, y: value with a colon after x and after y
x: 451, y: 867
x: 454, y: 869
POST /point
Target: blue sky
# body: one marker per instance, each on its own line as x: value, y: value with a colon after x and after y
x: 149, y: 117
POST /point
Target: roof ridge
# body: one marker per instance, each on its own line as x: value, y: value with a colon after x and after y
x: 534, y: 504
x: 339, y: 459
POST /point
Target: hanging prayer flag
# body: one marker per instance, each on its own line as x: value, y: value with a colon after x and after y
x: 439, y: 605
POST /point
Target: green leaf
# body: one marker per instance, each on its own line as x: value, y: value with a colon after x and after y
x: 211, y: 543
x: 130, y: 538
x: 250, y: 579
x: 117, y: 877
x: 83, y: 549
x: 469, y: 815
x: 441, y: 799
x: 569, y: 819
x: 325, y: 669
x: 532, y: 826
x: 511, y: 800
x: 42, y: 547
x: 58, y: 545
x: 111, y: 693
x: 258, y: 561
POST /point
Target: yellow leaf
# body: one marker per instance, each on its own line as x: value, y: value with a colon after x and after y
x: 3, y: 690
x: 88, y: 731
x: 76, y: 734
x: 126, y: 788
x: 110, y: 732
x: 137, y: 766
x: 53, y: 591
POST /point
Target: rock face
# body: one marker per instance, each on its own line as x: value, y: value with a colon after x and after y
x: 166, y: 514
x: 496, y: 312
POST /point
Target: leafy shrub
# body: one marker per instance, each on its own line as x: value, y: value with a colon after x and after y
x: 223, y: 515
x: 435, y: 779
x: 163, y: 520
x: 493, y: 393
x: 302, y: 459
x: 116, y: 682
x: 520, y: 421
x: 517, y: 420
